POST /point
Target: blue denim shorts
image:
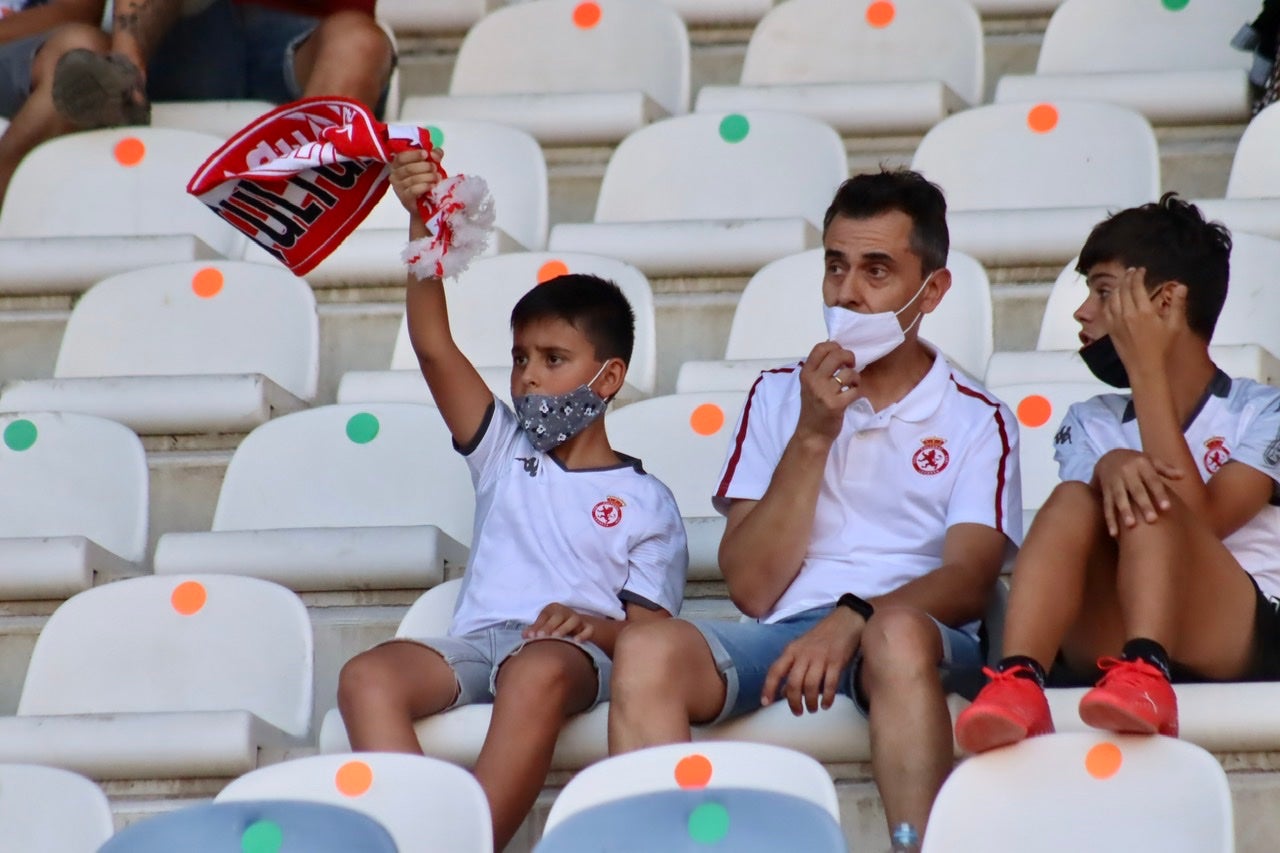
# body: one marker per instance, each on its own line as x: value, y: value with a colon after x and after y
x: 476, y: 657
x: 15, y: 72
x: 744, y: 651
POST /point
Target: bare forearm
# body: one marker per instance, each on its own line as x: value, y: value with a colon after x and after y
x: 1162, y: 437
x: 952, y: 594
x: 140, y: 25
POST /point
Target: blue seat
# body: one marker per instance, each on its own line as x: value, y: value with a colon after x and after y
x: 728, y: 820
x: 283, y: 826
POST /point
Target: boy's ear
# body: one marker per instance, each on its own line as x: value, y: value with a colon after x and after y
x: 1173, y: 293
x: 612, y: 379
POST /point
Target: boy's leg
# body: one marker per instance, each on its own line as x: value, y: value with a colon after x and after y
x: 382, y: 691
x: 348, y: 54
x: 537, y: 689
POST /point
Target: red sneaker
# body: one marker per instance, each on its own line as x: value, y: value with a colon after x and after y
x: 1009, y: 709
x: 1132, y: 697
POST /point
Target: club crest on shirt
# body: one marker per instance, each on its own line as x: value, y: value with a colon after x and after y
x: 608, y: 512
x: 932, y: 457
x: 1216, y: 454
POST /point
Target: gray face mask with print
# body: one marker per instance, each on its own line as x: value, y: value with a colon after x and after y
x: 549, y: 420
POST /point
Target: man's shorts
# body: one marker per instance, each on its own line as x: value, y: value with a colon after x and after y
x: 15, y: 72
x: 476, y: 657
x: 744, y: 651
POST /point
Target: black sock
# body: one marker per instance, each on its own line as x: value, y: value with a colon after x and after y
x: 1031, y: 670
x: 1141, y: 648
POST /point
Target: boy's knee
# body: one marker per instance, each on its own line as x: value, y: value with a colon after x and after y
x: 366, y: 676
x: 899, y: 642
x: 646, y: 652
x: 539, y: 675
x: 353, y: 33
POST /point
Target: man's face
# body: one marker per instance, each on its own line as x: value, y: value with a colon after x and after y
x: 870, y: 266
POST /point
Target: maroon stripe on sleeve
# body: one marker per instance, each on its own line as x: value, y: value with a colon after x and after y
x: 1004, y: 443
x: 741, y: 437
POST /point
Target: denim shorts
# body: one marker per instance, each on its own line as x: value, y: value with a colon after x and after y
x: 476, y: 657
x: 744, y: 651
x: 15, y: 72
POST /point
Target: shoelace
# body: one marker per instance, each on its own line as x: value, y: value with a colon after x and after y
x: 1126, y: 673
x: 1001, y: 676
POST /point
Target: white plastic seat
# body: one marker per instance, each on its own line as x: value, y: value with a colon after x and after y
x: 1173, y: 62
x: 164, y: 677
x: 568, y: 71
x: 45, y: 808
x: 717, y: 12
x: 1138, y: 793
x: 425, y: 804
x: 480, y: 303
x: 130, y: 209
x: 779, y: 319
x: 73, y: 504
x: 864, y: 68
x: 687, y: 196
x: 184, y: 348
x: 1253, y: 187
x: 709, y: 766
x: 217, y: 118
x: 682, y: 439
x: 339, y: 497
x: 509, y: 160
x: 1025, y: 183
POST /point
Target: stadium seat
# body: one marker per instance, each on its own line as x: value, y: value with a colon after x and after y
x: 508, y: 159
x: 1025, y: 183
x: 45, y: 808
x: 337, y: 498
x: 251, y: 826
x: 130, y: 209
x: 73, y: 504
x: 218, y: 118
x: 568, y: 71
x: 864, y: 68
x: 682, y: 440
x: 424, y: 804
x: 184, y: 348
x: 710, y: 194
x: 779, y: 319
x: 166, y: 677
x: 741, y: 820
x: 1253, y: 187
x: 1138, y: 793
x: 1171, y: 61
x: 1015, y: 8
x: 720, y: 12
x: 480, y: 303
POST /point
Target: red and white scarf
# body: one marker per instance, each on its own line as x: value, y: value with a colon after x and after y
x: 299, y: 179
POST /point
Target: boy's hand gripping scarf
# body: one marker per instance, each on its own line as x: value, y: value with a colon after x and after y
x: 299, y: 179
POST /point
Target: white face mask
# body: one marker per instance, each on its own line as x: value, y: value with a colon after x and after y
x: 870, y: 337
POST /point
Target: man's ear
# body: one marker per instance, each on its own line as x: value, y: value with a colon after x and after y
x: 936, y: 289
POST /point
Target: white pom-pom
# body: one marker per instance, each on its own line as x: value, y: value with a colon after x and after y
x: 459, y: 225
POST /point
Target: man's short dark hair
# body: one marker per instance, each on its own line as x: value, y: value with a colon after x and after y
x: 1174, y: 242
x: 874, y: 193
x: 593, y: 305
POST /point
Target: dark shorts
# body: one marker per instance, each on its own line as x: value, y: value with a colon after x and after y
x: 15, y: 72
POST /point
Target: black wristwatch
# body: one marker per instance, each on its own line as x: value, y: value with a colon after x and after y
x: 857, y: 604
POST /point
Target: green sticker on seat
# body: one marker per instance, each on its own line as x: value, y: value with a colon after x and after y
x: 263, y: 836
x: 1176, y: 5
x: 362, y: 428
x: 20, y: 435
x: 709, y: 823
x: 437, y: 135
x: 734, y: 128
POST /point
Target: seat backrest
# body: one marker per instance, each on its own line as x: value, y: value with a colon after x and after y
x: 47, y: 808
x: 204, y: 317
x: 1144, y: 35
x: 779, y: 314
x: 255, y: 826
x: 1255, y: 171
x: 714, y: 166
x: 1140, y: 793
x: 681, y: 438
x: 431, y: 614
x: 425, y: 803
x: 1026, y: 156
x: 577, y: 46
x: 1250, y: 315
x: 825, y: 41
x: 127, y: 182
x: 64, y: 474
x: 350, y: 465
x: 709, y: 765
x: 481, y: 299
x: 174, y: 643
x: 511, y: 163
x: 1040, y: 408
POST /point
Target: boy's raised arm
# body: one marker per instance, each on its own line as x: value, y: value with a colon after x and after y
x: 458, y: 389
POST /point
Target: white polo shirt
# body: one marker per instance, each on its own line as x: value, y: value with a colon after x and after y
x: 894, y: 482
x: 1238, y: 420
x: 588, y: 539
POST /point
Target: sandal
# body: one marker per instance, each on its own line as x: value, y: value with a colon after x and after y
x: 91, y: 90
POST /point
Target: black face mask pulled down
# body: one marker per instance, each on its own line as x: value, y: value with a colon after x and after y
x: 1104, y: 362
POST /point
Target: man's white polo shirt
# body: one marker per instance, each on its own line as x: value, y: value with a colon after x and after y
x: 894, y: 482
x: 1237, y: 420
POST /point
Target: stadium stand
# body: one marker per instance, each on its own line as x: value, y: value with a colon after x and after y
x: 337, y: 498
x: 216, y: 118
x: 46, y: 808
x: 863, y: 69
x: 1252, y: 201
x: 423, y: 803
x: 73, y: 504
x: 184, y: 348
